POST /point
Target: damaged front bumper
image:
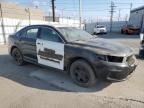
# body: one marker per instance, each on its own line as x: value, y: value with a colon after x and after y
x: 121, y: 74
x: 115, y: 71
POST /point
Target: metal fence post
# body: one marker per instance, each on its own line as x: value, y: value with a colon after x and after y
x: 27, y: 10
x: 2, y: 24
x: 29, y: 16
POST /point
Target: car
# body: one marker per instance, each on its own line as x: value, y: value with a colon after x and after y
x: 85, y: 57
x: 100, y: 29
x: 130, y: 29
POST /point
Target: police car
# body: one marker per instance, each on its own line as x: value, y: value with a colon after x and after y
x: 85, y: 57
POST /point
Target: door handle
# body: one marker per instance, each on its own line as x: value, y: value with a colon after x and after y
x: 39, y: 43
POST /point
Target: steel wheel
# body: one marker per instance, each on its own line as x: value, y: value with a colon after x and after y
x: 17, y: 56
x: 82, y: 73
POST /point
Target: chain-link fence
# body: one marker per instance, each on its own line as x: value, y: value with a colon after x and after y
x: 14, y: 17
x: 116, y: 26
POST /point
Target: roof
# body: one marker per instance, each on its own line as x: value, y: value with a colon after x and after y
x: 137, y: 9
x: 51, y: 25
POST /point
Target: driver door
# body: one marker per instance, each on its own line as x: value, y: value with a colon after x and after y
x: 50, y: 48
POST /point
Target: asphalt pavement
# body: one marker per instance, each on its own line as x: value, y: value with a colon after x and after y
x: 32, y: 86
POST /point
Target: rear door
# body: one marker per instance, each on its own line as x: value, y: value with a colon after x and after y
x: 50, y: 48
x: 28, y: 42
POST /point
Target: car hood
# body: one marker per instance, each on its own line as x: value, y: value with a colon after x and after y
x: 104, y: 46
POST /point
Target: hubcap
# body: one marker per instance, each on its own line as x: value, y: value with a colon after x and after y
x: 17, y: 57
x: 81, y: 74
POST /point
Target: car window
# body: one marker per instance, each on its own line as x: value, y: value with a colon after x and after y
x: 32, y: 33
x: 100, y: 26
x: 49, y: 35
x: 22, y: 34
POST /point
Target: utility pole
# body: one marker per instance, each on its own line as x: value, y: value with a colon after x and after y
x: 80, y: 13
x: 53, y: 10
x: 131, y: 5
x: 119, y: 15
x: 112, y: 12
x: 2, y: 24
x: 126, y: 18
x: 29, y: 15
x: 62, y: 10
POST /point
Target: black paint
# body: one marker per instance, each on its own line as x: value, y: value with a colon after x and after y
x: 87, y: 50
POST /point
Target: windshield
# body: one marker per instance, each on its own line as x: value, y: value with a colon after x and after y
x: 130, y: 26
x: 74, y: 34
x: 100, y: 26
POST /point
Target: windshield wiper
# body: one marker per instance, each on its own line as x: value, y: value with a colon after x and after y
x: 77, y: 40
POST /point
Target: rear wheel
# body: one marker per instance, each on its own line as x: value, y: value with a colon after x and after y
x: 16, y: 54
x: 82, y: 73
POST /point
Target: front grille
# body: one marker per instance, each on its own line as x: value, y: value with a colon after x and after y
x: 115, y: 59
x: 130, y: 60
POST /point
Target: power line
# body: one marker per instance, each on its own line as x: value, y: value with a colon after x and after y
x: 98, y: 3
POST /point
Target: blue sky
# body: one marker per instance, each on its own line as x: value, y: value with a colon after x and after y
x: 92, y: 10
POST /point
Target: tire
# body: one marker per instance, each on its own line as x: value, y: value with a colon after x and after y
x: 82, y: 73
x: 18, y: 57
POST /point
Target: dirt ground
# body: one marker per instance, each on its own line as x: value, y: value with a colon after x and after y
x: 32, y: 86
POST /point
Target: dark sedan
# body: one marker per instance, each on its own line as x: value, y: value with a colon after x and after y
x: 84, y: 56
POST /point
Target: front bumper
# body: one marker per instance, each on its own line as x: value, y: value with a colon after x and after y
x: 98, y: 32
x: 120, y: 75
x: 133, y: 31
x: 114, y: 71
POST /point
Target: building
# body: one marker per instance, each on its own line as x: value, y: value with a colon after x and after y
x: 15, y: 11
x: 14, y: 17
x: 137, y: 17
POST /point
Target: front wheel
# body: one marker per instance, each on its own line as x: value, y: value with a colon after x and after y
x: 82, y: 73
x: 16, y: 54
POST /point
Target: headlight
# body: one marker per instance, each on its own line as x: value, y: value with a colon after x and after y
x: 101, y: 57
